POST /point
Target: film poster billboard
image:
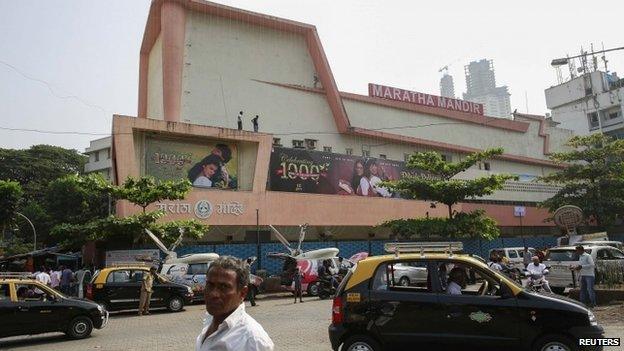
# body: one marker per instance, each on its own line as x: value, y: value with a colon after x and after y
x: 205, y: 164
x: 306, y: 171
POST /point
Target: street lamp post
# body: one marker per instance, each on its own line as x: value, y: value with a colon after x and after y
x: 33, y: 228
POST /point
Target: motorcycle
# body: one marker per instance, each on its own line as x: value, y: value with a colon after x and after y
x: 325, y: 288
x: 536, y: 281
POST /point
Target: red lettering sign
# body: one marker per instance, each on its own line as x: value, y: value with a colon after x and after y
x: 390, y: 93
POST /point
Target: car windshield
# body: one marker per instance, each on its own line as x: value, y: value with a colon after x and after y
x: 565, y: 255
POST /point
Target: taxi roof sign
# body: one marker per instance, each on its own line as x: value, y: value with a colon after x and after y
x: 424, y: 247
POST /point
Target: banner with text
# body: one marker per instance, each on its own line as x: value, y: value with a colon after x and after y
x: 206, y: 165
x: 391, y: 93
x: 316, y: 172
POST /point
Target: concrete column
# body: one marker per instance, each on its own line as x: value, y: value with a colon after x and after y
x: 173, y: 27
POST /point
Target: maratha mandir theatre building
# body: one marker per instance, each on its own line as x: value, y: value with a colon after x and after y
x: 319, y: 151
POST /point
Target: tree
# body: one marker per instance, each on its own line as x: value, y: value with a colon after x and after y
x: 593, y: 178
x: 86, y: 196
x: 128, y: 230
x: 441, y: 185
x: 10, y: 196
x: 36, y: 167
x: 147, y: 190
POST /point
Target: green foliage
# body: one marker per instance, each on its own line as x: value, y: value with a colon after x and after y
x: 593, y: 179
x: 147, y: 190
x: 463, y: 225
x: 440, y: 185
x: 36, y: 167
x: 86, y: 196
x: 10, y: 196
x: 169, y: 231
x: 14, y: 246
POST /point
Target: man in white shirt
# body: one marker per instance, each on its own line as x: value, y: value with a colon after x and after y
x: 538, y: 268
x: 43, y: 278
x: 457, y: 281
x: 227, y: 326
x: 585, y: 268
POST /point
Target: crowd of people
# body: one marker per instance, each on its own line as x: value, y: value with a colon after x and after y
x: 61, y: 278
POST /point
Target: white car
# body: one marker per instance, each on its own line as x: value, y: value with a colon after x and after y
x: 515, y: 255
x: 405, y: 274
x: 561, y: 258
x: 617, y: 244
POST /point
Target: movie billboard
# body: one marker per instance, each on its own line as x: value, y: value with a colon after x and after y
x: 205, y: 164
x: 315, y: 172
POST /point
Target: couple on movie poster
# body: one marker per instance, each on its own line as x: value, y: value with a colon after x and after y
x: 365, y: 180
x: 212, y: 171
x: 307, y: 171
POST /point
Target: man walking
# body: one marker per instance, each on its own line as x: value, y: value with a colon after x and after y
x: 227, y: 326
x: 43, y: 278
x: 297, y: 278
x: 146, y: 291
x: 255, y: 123
x: 251, y: 296
x: 526, y: 257
x: 67, y: 276
x: 240, y: 120
x: 585, y: 268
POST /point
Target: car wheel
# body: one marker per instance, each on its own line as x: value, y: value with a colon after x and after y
x: 313, y: 289
x: 554, y: 343
x: 361, y: 343
x: 558, y: 290
x: 79, y: 327
x: 404, y: 281
x: 175, y: 304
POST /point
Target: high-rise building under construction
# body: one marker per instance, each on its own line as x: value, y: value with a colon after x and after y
x: 481, y: 88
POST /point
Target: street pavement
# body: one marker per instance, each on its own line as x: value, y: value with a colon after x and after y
x: 291, y: 326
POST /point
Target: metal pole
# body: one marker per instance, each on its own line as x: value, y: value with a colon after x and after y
x: 258, y: 253
x: 33, y: 228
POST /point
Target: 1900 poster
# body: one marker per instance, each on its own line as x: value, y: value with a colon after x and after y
x: 206, y: 165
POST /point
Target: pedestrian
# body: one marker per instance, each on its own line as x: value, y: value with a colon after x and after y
x: 251, y: 296
x: 585, y: 268
x: 526, y: 257
x: 147, y: 283
x: 227, y: 326
x: 55, y: 278
x: 43, y: 278
x: 255, y: 123
x: 240, y: 120
x: 297, y: 278
x: 67, y: 277
x: 494, y: 263
x: 541, y: 255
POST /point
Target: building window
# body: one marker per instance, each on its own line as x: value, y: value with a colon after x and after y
x: 310, y: 144
x: 97, y: 156
x: 484, y: 166
x: 406, y: 157
x: 366, y: 153
x: 108, y: 154
x: 593, y: 119
x: 327, y: 148
x: 277, y: 142
x: 349, y: 151
x: 297, y: 144
x: 382, y: 156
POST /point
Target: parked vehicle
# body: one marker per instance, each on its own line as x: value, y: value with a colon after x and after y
x: 409, y: 274
x: 617, y: 244
x: 119, y: 288
x: 28, y: 307
x: 325, y: 288
x: 561, y: 258
x: 515, y: 255
x: 372, y: 311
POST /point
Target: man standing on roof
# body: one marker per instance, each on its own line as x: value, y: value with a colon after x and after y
x: 240, y: 120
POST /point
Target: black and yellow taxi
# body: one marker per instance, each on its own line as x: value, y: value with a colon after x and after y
x: 28, y: 307
x: 119, y: 288
x: 453, y: 300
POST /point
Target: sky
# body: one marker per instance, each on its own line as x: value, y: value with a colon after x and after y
x: 67, y: 66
